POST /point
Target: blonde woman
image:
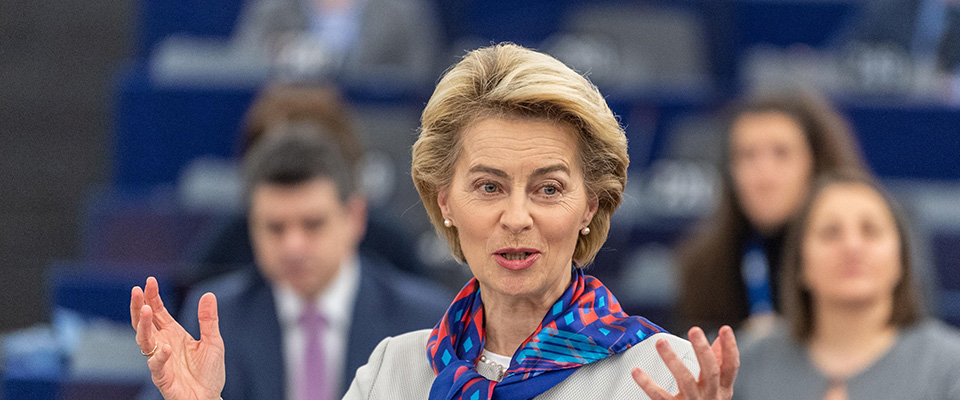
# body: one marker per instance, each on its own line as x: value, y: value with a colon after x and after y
x: 520, y: 164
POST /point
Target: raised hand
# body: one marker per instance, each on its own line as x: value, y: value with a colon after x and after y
x: 182, y: 368
x: 718, y: 368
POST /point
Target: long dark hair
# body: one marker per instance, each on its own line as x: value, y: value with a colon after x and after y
x: 712, y: 292
x: 797, y: 301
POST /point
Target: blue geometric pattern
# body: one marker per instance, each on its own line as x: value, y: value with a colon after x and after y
x: 565, y: 347
x: 446, y: 357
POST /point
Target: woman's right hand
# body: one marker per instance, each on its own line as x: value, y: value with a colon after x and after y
x: 719, y: 364
x: 182, y: 368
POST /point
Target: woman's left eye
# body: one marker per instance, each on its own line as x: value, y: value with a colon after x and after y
x: 549, y: 190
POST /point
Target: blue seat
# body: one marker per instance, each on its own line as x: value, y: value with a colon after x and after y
x: 102, y: 289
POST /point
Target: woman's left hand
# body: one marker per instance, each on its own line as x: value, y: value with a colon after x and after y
x: 718, y: 368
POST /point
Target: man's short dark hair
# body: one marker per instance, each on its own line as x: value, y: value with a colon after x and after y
x: 297, y: 153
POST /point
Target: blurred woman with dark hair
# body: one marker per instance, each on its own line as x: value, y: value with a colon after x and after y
x: 776, y: 145
x: 853, y: 315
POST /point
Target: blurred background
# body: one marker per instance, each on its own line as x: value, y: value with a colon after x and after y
x: 121, y: 121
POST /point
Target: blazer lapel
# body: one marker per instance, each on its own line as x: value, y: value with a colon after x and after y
x: 262, y: 350
x: 368, y: 324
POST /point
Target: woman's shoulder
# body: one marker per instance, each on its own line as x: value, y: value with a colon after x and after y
x: 923, y: 364
x: 645, y: 356
x: 402, y: 350
x: 645, y: 352
x: 942, y: 351
x: 408, y: 342
x: 770, y: 362
x: 934, y: 339
x: 940, y: 332
x: 610, y: 377
x: 775, y: 343
x: 397, y: 368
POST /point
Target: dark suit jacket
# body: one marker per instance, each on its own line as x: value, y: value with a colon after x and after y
x: 388, y: 303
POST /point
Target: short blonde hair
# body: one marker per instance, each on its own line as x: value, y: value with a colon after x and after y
x: 510, y: 81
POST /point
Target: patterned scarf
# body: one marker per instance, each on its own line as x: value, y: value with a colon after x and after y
x: 586, y: 324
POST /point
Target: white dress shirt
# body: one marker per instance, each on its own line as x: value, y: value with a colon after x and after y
x: 336, y: 304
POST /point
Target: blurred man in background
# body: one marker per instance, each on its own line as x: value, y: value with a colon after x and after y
x: 227, y: 246
x: 308, y: 316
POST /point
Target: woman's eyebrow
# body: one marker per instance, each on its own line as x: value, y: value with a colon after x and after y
x: 537, y: 172
x: 489, y: 170
x: 548, y: 169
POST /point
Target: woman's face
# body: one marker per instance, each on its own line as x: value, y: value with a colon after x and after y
x: 518, y: 202
x: 771, y: 165
x: 851, y: 249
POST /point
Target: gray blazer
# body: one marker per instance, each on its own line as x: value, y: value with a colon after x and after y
x: 398, y: 369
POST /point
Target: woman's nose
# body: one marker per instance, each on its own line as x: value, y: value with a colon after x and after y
x: 853, y: 242
x: 516, y: 216
x: 765, y: 167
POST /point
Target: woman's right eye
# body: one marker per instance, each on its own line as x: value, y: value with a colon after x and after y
x: 489, y: 187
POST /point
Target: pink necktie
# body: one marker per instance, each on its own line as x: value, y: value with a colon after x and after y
x: 313, y: 381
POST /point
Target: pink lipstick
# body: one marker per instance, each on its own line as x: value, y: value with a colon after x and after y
x: 516, y: 259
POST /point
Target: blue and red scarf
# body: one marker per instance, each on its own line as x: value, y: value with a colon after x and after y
x: 586, y: 324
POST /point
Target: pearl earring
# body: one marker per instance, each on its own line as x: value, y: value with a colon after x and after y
x: 585, y: 231
x: 447, y: 223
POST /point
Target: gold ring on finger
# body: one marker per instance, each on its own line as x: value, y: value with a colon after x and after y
x: 151, y: 351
